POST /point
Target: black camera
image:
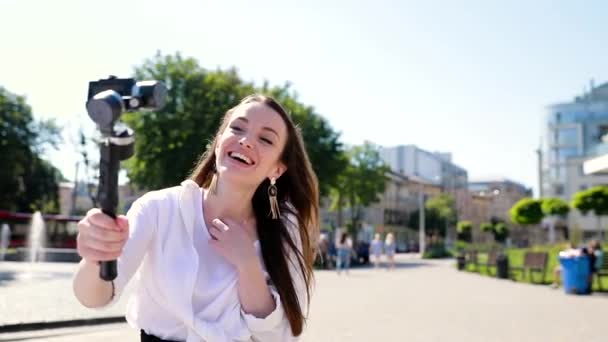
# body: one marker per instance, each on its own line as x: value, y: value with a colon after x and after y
x: 106, y: 101
x: 109, y: 98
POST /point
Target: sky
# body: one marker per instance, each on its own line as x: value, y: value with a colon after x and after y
x: 470, y: 77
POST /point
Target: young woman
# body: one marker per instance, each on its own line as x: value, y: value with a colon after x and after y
x: 375, y: 249
x: 228, y: 254
x: 344, y: 249
x: 389, y: 250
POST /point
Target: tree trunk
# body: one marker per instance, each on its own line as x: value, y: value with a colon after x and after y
x: 599, y: 228
x: 354, y: 222
x: 552, y: 229
x: 340, y: 217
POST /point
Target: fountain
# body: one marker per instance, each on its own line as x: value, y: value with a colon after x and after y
x: 36, y: 239
x: 34, y: 260
x: 5, y: 239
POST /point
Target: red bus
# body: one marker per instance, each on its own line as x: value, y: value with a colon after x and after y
x: 60, y: 230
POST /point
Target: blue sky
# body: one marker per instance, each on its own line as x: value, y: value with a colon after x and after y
x: 469, y: 77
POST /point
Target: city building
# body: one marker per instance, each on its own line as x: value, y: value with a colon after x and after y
x: 491, y: 200
x: 504, y: 193
x: 435, y: 167
x: 391, y: 213
x: 575, y: 153
x: 575, y: 132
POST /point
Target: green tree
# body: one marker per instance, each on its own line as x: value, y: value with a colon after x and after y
x: 444, y: 205
x: 464, y: 228
x: 501, y: 232
x: 554, y: 209
x: 324, y: 149
x: 592, y: 200
x: 362, y: 182
x: 27, y: 182
x: 526, y: 211
x: 486, y: 227
x: 170, y: 141
x: 432, y: 221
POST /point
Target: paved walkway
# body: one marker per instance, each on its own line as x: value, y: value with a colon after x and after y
x: 420, y: 301
x: 43, y: 292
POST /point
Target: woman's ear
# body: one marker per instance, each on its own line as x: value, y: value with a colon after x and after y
x: 278, y: 171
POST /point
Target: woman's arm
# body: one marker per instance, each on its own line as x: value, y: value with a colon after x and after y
x: 254, y: 294
x: 100, y: 238
x: 90, y: 290
x: 139, y: 226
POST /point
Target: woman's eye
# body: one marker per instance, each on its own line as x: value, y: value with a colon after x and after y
x: 236, y: 128
x: 266, y: 140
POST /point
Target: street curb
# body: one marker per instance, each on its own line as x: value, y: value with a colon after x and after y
x: 60, y: 324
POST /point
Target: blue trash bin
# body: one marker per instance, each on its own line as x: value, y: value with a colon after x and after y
x: 575, y: 274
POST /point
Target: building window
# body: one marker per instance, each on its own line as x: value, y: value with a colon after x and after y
x: 566, y: 152
x: 567, y: 137
x: 602, y: 133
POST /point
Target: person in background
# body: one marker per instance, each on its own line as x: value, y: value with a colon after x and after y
x: 324, y: 244
x: 389, y: 251
x: 596, y: 259
x: 344, y: 248
x: 375, y: 250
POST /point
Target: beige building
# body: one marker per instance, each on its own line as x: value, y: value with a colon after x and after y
x: 477, y: 209
x: 501, y: 194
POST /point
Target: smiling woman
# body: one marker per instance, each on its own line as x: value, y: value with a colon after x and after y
x: 228, y: 254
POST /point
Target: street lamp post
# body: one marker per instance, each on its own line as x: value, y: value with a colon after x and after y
x: 421, y: 232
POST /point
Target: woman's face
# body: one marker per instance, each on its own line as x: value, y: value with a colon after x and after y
x: 249, y: 149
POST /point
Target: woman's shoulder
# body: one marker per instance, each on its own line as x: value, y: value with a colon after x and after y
x: 159, y: 198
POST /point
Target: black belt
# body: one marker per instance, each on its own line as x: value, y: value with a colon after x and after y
x: 151, y: 338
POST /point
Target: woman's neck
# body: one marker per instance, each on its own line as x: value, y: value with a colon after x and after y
x: 230, y: 202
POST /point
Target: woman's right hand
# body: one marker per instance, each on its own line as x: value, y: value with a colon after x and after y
x: 100, y: 237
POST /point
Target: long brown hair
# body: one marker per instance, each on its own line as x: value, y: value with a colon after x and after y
x: 298, y: 197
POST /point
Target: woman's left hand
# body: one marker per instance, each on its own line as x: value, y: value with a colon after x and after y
x: 234, y: 241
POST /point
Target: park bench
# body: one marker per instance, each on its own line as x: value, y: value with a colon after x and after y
x: 533, y: 262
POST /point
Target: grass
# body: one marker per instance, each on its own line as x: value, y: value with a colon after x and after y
x: 516, y: 258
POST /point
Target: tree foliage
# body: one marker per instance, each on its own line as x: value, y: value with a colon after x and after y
x: 464, y: 229
x: 555, y: 207
x: 170, y: 141
x: 501, y: 232
x: 592, y: 200
x: 363, y: 180
x: 27, y: 182
x: 526, y: 211
x: 486, y: 227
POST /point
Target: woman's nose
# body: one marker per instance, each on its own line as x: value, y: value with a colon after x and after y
x: 245, y: 142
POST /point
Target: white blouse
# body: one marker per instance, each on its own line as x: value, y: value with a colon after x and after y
x: 184, y: 290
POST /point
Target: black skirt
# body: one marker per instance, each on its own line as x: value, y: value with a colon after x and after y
x: 151, y: 338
